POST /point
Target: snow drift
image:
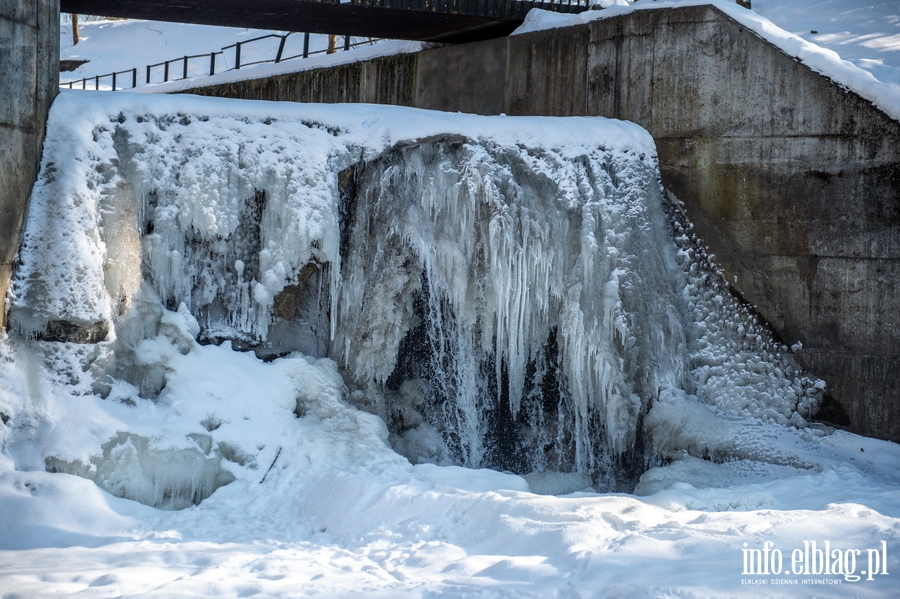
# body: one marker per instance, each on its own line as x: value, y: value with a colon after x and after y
x: 512, y: 293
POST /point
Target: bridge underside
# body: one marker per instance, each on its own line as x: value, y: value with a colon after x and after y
x: 449, y: 21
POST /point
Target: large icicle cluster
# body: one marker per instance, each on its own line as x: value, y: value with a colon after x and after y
x: 502, y: 292
x: 510, y: 307
x: 216, y: 212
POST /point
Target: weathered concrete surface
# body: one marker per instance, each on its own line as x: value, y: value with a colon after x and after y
x: 793, y: 182
x: 29, y: 73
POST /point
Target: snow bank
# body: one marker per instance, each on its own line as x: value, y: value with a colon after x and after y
x: 360, y: 53
x: 866, y: 34
x: 122, y: 45
x: 884, y: 95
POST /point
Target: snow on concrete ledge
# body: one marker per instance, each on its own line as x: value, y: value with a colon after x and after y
x: 885, y: 96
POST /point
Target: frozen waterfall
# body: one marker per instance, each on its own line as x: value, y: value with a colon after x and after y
x: 510, y: 307
x: 512, y: 293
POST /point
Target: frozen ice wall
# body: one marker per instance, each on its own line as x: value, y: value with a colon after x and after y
x: 504, y: 293
x: 508, y: 306
x: 523, y: 308
x: 216, y: 212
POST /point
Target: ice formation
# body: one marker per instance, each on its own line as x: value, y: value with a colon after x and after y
x: 169, y: 479
x: 503, y: 293
x: 526, y: 294
x: 523, y: 308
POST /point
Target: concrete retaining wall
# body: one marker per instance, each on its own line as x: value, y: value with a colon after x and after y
x: 29, y: 73
x: 793, y: 182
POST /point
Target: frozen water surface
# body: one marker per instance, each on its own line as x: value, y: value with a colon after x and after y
x: 459, y: 336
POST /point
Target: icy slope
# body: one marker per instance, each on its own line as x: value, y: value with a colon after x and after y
x: 124, y: 44
x: 864, y: 33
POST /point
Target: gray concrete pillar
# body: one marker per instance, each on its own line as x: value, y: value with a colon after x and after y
x: 29, y: 80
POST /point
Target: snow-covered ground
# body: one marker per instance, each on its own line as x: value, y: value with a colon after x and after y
x: 308, y: 497
x: 866, y: 32
x: 121, y: 45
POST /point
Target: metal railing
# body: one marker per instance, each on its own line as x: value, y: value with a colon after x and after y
x: 500, y: 9
x: 184, y: 62
x: 97, y: 78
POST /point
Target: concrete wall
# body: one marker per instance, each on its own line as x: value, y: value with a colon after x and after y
x: 29, y: 79
x: 793, y: 182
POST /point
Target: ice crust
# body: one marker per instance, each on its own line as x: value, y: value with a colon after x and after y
x: 168, y: 479
x: 502, y: 292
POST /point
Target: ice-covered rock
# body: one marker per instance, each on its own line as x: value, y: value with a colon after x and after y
x: 165, y: 478
x: 504, y: 293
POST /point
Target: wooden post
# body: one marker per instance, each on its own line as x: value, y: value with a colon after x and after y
x: 76, y: 35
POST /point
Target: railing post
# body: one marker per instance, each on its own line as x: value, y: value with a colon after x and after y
x: 212, y: 63
x: 237, y: 55
x: 166, y: 72
x: 84, y: 83
x: 306, y: 45
x: 134, y: 77
x: 97, y: 82
x: 114, y: 82
x: 184, y: 73
x: 148, y: 74
x: 346, y: 43
x: 281, y: 48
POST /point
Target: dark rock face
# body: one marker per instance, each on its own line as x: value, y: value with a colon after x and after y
x: 68, y: 332
x: 66, y: 66
x: 300, y: 317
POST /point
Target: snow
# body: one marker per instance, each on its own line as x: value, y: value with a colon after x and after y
x: 866, y: 34
x: 288, y: 488
x: 857, y: 45
x: 339, y: 514
x: 122, y: 45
